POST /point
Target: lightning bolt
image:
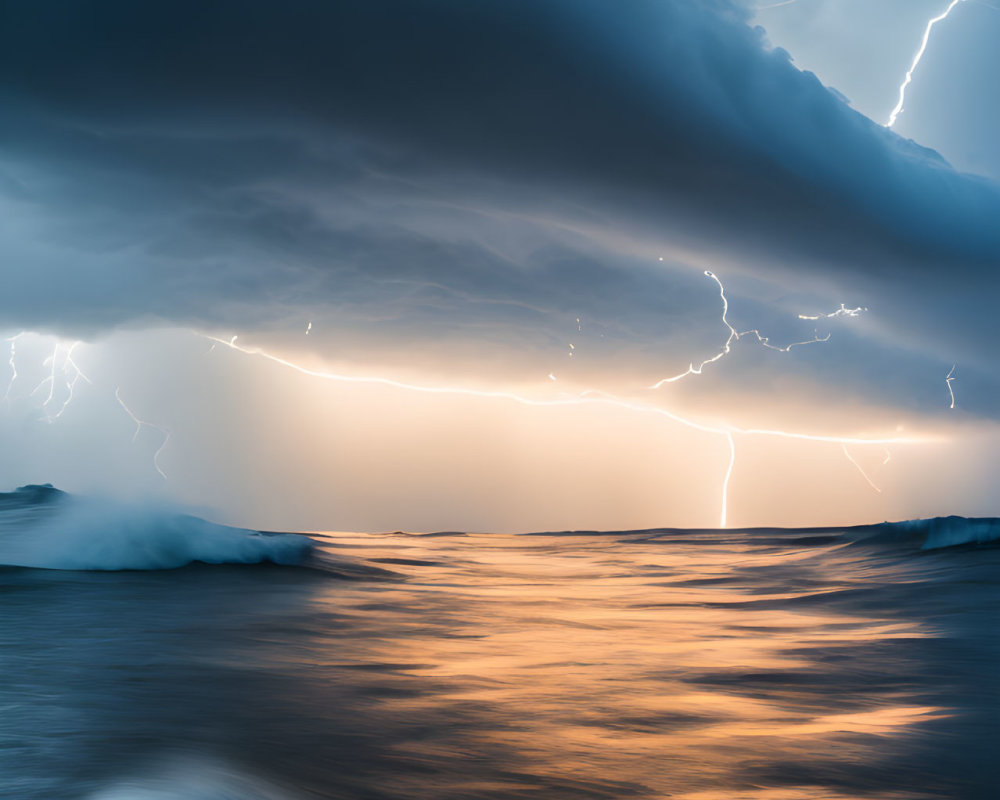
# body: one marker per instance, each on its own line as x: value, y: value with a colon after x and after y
x: 70, y: 365
x: 734, y: 335
x: 947, y: 382
x: 139, y: 425
x: 589, y: 397
x: 723, y: 515
x: 863, y: 473
x: 51, y: 379
x: 65, y: 371
x: 916, y: 61
x: 72, y: 374
x: 843, y: 311
x: 12, y: 361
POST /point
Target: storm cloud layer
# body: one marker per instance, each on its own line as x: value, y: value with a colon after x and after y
x: 474, y: 177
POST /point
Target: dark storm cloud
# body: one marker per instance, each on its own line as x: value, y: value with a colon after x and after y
x: 447, y: 167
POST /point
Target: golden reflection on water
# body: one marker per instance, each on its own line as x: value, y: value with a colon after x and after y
x: 653, y: 667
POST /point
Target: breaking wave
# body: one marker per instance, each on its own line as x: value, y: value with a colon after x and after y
x: 941, y: 532
x: 45, y: 528
x: 193, y: 779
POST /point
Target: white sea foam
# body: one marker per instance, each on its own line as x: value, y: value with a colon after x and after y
x: 193, y: 779
x: 70, y: 533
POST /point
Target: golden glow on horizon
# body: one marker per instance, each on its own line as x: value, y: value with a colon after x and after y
x: 588, y: 397
x: 713, y: 464
x: 863, y: 473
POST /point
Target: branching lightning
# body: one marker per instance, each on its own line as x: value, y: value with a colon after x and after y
x: 916, y: 61
x: 725, y: 481
x: 64, y: 374
x: 72, y: 374
x: 735, y: 336
x: 62, y: 361
x: 70, y: 364
x: 139, y: 425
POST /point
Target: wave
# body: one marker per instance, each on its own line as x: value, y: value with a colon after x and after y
x: 193, y: 778
x: 938, y: 533
x: 45, y: 528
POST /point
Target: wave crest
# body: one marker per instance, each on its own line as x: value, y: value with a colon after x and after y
x: 936, y: 533
x: 44, y: 528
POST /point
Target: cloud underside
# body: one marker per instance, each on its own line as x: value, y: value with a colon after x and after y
x: 472, y: 178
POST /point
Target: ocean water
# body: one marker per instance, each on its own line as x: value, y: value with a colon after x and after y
x: 763, y: 664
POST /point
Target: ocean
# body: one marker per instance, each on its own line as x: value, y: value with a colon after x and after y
x: 765, y: 664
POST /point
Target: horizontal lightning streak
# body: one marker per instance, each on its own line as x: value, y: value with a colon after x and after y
x: 843, y: 311
x: 589, y: 397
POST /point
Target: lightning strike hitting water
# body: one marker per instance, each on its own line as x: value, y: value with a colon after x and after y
x: 947, y: 382
x: 724, y: 514
x: 139, y: 425
x: 734, y: 335
x: 916, y: 61
x: 590, y: 397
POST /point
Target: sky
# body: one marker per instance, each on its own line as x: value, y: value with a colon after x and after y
x: 531, y: 265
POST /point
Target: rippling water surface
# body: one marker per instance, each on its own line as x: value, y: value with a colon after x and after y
x: 770, y: 665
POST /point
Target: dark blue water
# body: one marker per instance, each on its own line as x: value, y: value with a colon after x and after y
x: 772, y: 665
